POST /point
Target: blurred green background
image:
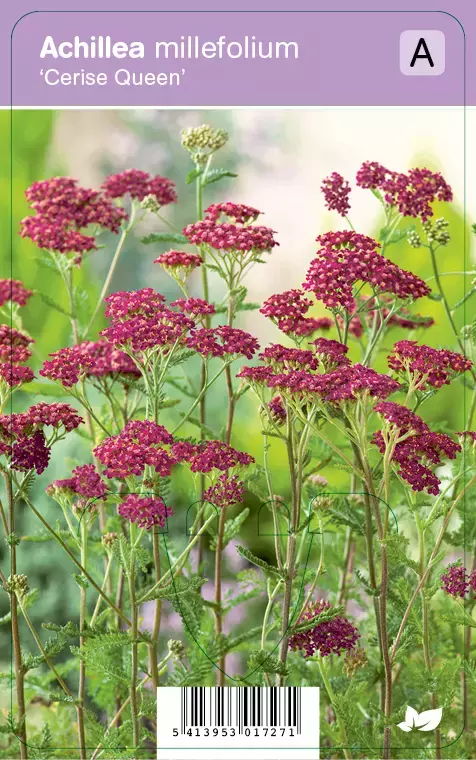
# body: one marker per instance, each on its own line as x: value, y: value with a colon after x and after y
x: 281, y: 158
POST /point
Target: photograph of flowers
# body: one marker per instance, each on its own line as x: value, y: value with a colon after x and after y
x: 237, y: 424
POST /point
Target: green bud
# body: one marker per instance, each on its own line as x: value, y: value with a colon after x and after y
x: 177, y: 649
x: 438, y: 232
x: 413, y: 239
x: 13, y: 539
x: 202, y: 141
x: 109, y: 539
x: 322, y: 503
x: 18, y: 584
x: 150, y: 203
x: 355, y: 659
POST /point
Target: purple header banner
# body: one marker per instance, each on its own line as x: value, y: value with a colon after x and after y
x: 238, y: 58
x: 219, y: 58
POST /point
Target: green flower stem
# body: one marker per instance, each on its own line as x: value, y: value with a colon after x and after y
x: 271, y: 597
x: 204, y: 366
x: 153, y: 648
x: 426, y: 629
x: 42, y: 649
x: 199, y: 397
x: 117, y: 717
x: 82, y: 663
x: 387, y: 663
x: 332, y: 698
x: 295, y: 471
x: 223, y: 513
x: 103, y: 588
x: 429, y: 564
x: 17, y: 653
x: 124, y: 234
x: 277, y: 537
x: 134, y: 646
x: 3, y: 518
x: 67, y: 277
x: 319, y: 570
x: 178, y: 564
x: 446, y: 305
x: 78, y: 564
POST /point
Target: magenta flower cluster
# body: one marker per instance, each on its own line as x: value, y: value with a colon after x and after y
x: 14, y: 291
x: 141, y: 321
x: 401, y: 418
x: 287, y: 310
x: 84, y: 481
x: 63, y: 209
x: 14, y: 345
x: 146, y: 511
x: 343, y: 384
x: 179, y: 261
x: 237, y: 213
x: 333, y: 636
x: 457, y: 581
x: 412, y: 193
x: 277, y: 410
x: 430, y: 367
x: 211, y: 455
x: 88, y: 359
x: 138, y: 184
x: 280, y: 357
x: 331, y: 353
x: 138, y: 444
x: 346, y: 258
x: 195, y: 307
x: 222, y: 341
x: 22, y: 435
x: 225, y: 492
x: 14, y: 351
x: 418, y: 450
x: 336, y: 191
x: 230, y: 237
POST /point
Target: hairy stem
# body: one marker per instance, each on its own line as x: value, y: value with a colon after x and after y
x: 153, y: 648
x: 223, y: 513
x: 134, y: 646
x: 78, y: 564
x: 446, y: 306
x: 17, y: 655
x: 294, y: 470
x: 333, y: 700
x: 82, y: 663
x: 429, y: 564
x: 125, y: 232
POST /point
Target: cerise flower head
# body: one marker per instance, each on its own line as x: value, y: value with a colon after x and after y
x: 63, y: 209
x: 14, y: 291
x: 332, y: 636
x: 237, y: 213
x: 287, y: 310
x: 429, y: 367
x: 145, y: 511
x: 138, y: 184
x: 346, y: 258
x: 419, y: 448
x: 411, y: 193
x: 336, y: 191
x: 89, y: 359
x: 225, y: 492
x: 455, y: 580
x: 139, y: 443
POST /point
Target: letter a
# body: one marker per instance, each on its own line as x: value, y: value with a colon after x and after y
x: 417, y: 54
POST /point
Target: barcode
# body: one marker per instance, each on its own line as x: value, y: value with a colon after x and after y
x: 241, y: 707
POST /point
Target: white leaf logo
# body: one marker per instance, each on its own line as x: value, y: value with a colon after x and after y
x: 428, y: 720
